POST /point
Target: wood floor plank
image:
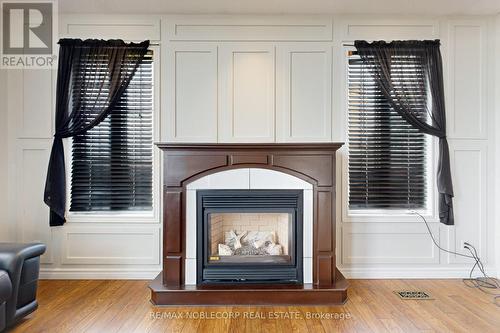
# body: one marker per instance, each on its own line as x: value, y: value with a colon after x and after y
x: 124, y: 306
x: 268, y: 323
x: 313, y: 324
x: 283, y: 325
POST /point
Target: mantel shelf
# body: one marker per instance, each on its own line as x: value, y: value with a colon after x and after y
x: 250, y: 146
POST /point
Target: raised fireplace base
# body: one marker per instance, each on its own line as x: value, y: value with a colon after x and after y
x: 306, y: 294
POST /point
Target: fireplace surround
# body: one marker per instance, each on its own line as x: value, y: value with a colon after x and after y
x: 184, y: 164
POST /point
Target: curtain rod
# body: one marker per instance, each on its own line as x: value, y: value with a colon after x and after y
x: 150, y: 43
x: 350, y: 52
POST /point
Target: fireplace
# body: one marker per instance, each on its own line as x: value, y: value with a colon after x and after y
x: 249, y: 236
x: 203, y: 264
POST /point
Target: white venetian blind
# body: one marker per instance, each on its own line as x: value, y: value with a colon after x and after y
x: 387, y: 156
x: 112, y: 167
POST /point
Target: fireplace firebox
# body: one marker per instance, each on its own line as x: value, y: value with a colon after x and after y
x: 249, y: 236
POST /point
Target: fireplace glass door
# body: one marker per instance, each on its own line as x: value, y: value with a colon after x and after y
x: 257, y: 237
x: 247, y: 236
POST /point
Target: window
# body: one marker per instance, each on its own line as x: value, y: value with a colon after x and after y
x: 387, y: 156
x: 112, y: 166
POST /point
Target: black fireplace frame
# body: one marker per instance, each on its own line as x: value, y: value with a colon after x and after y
x: 251, y: 201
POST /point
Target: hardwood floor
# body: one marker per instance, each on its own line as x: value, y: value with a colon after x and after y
x: 106, y: 306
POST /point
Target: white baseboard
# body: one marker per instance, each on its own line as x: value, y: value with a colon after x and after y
x: 411, y: 272
x: 349, y: 273
x: 97, y: 274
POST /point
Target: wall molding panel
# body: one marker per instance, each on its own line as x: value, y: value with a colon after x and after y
x: 111, y: 245
x: 304, y: 93
x: 248, y: 28
x: 191, y: 89
x: 467, y: 61
x: 387, y: 28
x: 389, y: 243
x: 469, y: 171
x: 35, y: 117
x: 126, y: 27
x: 247, y: 93
x: 32, y: 222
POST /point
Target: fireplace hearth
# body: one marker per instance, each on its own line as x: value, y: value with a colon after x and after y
x: 249, y: 236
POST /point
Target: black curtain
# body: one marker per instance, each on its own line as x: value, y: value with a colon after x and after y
x: 420, y: 102
x: 80, y: 109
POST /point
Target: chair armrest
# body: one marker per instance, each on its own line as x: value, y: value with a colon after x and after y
x: 12, y: 255
x: 5, y: 286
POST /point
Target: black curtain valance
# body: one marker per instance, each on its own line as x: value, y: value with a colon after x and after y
x: 80, y: 107
x: 421, y: 104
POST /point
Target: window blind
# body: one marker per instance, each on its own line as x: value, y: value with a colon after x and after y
x: 112, y: 166
x: 387, y: 156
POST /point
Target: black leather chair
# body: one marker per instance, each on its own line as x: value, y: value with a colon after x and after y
x: 19, y: 269
x: 5, y: 292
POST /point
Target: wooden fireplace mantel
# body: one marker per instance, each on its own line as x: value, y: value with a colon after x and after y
x: 186, y: 162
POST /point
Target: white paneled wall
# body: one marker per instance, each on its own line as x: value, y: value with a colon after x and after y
x: 495, y: 152
x: 266, y: 79
x: 4, y: 189
x: 470, y: 101
x: 30, y: 122
x: 34, y: 127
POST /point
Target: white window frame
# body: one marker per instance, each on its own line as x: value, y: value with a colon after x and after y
x: 382, y: 215
x: 149, y: 216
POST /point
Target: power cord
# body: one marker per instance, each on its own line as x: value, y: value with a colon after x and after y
x: 484, y: 282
